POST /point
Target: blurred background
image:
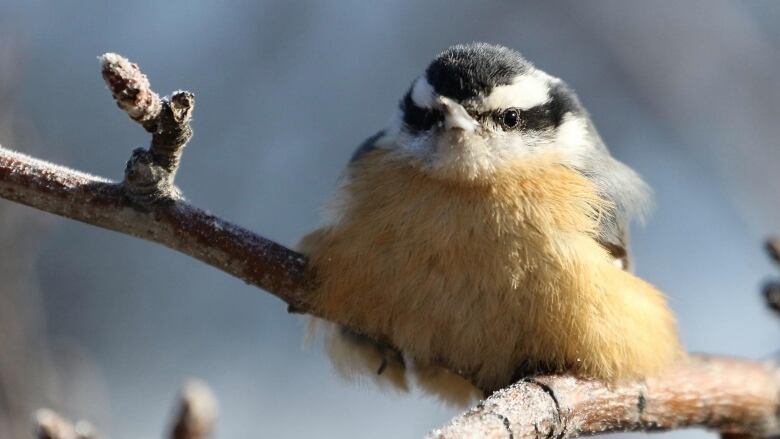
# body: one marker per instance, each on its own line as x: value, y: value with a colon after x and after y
x: 107, y: 327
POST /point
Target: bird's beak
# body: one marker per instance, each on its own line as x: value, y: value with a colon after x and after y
x: 455, y: 116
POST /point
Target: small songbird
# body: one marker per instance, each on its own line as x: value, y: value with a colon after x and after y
x: 484, y: 232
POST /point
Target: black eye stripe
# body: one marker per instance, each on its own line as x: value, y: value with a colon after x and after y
x: 417, y: 118
x: 548, y: 115
x: 539, y: 118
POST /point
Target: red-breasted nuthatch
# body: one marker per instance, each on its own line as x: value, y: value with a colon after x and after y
x: 485, y: 230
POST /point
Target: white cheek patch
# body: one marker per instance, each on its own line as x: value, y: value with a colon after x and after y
x: 526, y: 91
x: 572, y: 133
x: 422, y: 93
x: 573, y: 139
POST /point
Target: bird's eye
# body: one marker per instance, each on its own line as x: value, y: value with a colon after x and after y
x: 510, y: 118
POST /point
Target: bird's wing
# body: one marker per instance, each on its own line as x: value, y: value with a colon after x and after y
x: 614, y: 238
x: 367, y: 146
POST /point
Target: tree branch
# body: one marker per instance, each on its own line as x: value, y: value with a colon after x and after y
x: 727, y: 395
x: 731, y: 396
x: 175, y: 224
x: 146, y: 204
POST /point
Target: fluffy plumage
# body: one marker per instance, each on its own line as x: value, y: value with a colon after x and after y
x: 490, y: 251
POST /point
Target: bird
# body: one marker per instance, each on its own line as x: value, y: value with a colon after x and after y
x: 482, y: 237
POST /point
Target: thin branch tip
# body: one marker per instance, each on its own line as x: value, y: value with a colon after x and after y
x: 131, y: 89
x: 150, y: 173
x: 182, y: 105
x: 110, y: 58
x: 197, y: 412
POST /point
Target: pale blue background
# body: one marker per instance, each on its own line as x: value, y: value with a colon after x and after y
x: 686, y: 92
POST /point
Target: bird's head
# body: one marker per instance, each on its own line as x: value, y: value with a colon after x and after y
x: 479, y: 107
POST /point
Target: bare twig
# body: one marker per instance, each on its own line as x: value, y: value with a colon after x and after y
x: 727, y: 395
x: 196, y: 414
x: 131, y: 90
x: 150, y: 172
x: 146, y: 204
x: 176, y: 224
x: 731, y: 396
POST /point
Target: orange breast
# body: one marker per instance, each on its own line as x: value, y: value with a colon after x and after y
x: 482, y: 277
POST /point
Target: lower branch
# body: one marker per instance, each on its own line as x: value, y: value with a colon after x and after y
x: 194, y: 418
x: 727, y: 395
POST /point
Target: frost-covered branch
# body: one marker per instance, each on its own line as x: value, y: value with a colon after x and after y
x: 731, y: 396
x: 722, y: 394
x: 173, y: 223
x: 194, y: 417
x: 147, y: 204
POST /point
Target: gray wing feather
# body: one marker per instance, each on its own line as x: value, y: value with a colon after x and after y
x: 629, y: 194
x: 367, y: 146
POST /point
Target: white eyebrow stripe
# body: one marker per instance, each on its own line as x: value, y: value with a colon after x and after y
x: 526, y: 91
x: 422, y: 93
